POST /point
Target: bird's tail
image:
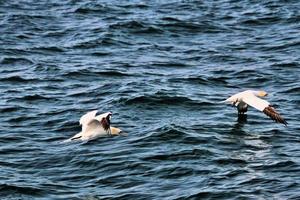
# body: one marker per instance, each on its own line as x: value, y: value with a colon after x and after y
x: 225, y: 101
x: 74, y: 138
x: 66, y: 141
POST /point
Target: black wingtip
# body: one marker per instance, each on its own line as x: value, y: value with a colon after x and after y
x: 274, y: 115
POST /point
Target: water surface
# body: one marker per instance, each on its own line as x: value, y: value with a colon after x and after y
x: 161, y: 67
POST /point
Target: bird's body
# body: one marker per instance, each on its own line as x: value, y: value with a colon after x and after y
x: 242, y: 107
x: 250, y: 98
x: 94, y: 127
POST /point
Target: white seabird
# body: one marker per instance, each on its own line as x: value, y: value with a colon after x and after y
x: 94, y: 127
x: 250, y: 97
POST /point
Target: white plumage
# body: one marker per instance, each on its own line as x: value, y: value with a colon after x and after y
x: 250, y: 97
x: 95, y: 126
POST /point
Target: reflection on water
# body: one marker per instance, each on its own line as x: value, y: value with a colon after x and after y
x: 242, y: 119
x: 160, y: 67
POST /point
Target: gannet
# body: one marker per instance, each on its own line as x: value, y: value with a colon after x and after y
x: 94, y: 127
x: 250, y: 97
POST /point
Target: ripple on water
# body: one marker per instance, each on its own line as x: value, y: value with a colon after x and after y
x: 162, y: 68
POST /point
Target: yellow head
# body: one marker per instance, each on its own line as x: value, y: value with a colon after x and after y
x: 116, y: 131
x: 262, y: 93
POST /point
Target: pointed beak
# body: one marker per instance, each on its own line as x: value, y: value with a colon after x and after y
x: 123, y: 133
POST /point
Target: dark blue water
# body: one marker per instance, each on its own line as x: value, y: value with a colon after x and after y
x: 161, y: 67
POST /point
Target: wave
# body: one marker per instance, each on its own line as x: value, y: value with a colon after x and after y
x: 281, y: 46
x: 180, y: 155
x: 172, y: 134
x: 278, y: 166
x: 11, y: 139
x: 169, y: 64
x: 130, y: 24
x: 245, y: 72
x: 87, y: 72
x: 22, y: 118
x: 295, y: 90
x: 34, y: 97
x: 9, y: 109
x: 178, y: 26
x: 46, y: 67
x: 68, y: 127
x: 101, y: 53
x: 171, y: 172
x: 93, y: 7
x: 9, y: 189
x: 140, y: 5
x: 213, y: 194
x: 18, y: 79
x: 284, y: 66
x: 107, y: 40
x: 14, y: 60
x: 261, y: 21
x: 163, y: 99
x: 137, y: 27
x: 49, y: 49
x: 96, y: 92
x: 19, y: 150
x: 171, y: 19
x: 202, y: 80
x: 230, y: 161
x: 257, y: 181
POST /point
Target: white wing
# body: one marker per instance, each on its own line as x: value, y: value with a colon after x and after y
x: 256, y: 102
x: 93, y: 125
x: 93, y: 130
x: 265, y: 107
x: 236, y: 97
x: 85, y: 119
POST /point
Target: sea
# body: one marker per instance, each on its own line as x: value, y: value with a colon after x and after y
x: 163, y: 68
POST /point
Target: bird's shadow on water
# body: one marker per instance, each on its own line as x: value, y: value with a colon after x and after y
x: 242, y: 119
x: 238, y: 127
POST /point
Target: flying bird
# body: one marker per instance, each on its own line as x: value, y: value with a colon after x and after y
x: 94, y: 127
x: 251, y: 97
